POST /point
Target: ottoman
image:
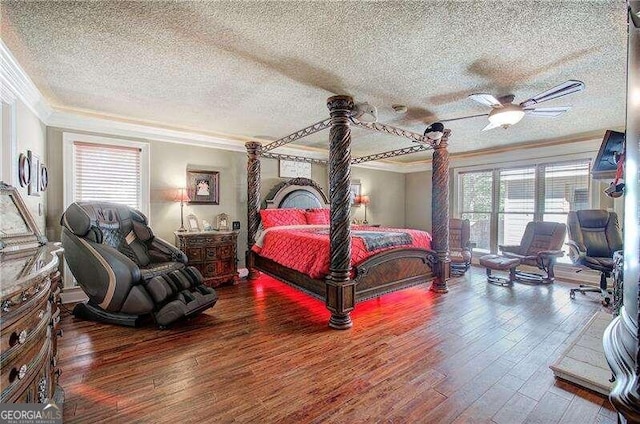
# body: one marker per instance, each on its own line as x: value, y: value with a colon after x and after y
x: 500, y: 263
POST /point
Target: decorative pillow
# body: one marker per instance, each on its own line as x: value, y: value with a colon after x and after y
x: 278, y: 217
x: 318, y: 216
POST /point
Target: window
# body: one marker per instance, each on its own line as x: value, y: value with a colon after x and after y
x: 500, y: 202
x: 108, y: 170
x: 475, y: 197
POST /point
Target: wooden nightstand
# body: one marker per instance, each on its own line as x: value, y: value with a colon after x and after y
x: 213, y: 253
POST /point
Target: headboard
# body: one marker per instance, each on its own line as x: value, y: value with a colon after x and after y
x: 301, y: 193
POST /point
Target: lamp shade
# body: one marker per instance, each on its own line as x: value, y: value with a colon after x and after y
x: 181, y: 195
x: 363, y: 199
x: 506, y: 116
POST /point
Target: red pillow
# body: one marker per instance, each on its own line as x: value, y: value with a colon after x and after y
x: 318, y: 216
x: 278, y: 217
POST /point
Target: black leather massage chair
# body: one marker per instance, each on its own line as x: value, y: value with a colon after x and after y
x: 125, y: 270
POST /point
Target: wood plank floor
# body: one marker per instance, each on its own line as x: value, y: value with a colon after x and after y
x: 264, y: 354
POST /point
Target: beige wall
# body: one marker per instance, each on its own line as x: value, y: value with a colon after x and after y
x: 418, y: 200
x: 387, y: 193
x: 31, y: 135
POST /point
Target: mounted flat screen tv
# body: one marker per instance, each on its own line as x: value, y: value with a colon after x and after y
x: 604, y: 166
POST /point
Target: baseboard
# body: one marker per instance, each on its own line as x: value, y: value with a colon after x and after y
x: 73, y: 295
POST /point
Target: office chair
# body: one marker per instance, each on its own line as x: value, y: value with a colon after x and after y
x: 594, y: 235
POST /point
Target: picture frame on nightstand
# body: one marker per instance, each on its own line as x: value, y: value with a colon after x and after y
x: 222, y: 222
x: 193, y: 224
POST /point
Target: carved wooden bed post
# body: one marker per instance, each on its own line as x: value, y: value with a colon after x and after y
x: 340, y: 295
x: 440, y: 213
x: 254, y: 149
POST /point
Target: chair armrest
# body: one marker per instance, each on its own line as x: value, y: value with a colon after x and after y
x: 124, y: 269
x: 162, y: 251
x: 576, y: 255
x: 551, y: 253
x: 510, y: 248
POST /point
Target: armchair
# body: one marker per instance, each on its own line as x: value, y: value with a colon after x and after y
x: 125, y: 270
x: 594, y: 235
x: 540, y: 246
x: 460, y: 248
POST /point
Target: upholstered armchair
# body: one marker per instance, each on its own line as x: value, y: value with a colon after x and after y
x: 540, y: 246
x: 594, y: 236
x: 125, y: 270
x: 460, y: 248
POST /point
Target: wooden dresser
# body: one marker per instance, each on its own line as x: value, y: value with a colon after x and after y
x: 29, y: 307
x: 214, y: 253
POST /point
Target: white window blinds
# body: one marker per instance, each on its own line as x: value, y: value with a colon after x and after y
x: 107, y: 173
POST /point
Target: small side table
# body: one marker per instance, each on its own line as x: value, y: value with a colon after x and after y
x: 213, y: 253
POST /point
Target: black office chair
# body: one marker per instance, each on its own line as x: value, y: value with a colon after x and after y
x: 594, y: 235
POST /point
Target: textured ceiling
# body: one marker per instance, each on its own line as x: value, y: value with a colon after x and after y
x: 267, y: 68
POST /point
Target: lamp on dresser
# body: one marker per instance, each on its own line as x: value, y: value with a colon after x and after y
x: 182, y: 197
x: 364, y: 200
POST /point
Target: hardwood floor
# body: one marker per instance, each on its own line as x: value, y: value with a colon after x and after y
x: 264, y: 353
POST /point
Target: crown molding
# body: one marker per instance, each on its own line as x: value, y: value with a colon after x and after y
x: 17, y: 84
x: 96, y: 124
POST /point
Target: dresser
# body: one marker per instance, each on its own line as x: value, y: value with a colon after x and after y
x: 214, y: 253
x: 29, y: 307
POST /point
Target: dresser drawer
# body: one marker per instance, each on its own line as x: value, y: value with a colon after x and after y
x: 16, y: 334
x: 19, y: 367
x: 194, y: 254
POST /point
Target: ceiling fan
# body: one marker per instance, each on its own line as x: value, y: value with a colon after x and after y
x: 504, y: 113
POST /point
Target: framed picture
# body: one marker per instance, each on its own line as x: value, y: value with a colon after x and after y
x: 24, y: 170
x: 34, y: 170
x: 355, y: 190
x: 44, y: 177
x: 192, y: 223
x: 222, y: 221
x: 203, y: 187
x: 293, y: 169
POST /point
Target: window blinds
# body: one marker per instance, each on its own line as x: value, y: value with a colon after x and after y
x: 107, y: 173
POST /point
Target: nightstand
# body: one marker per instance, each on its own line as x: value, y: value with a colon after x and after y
x: 214, y: 253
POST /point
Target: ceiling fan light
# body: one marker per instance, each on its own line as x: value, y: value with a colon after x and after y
x: 506, y: 118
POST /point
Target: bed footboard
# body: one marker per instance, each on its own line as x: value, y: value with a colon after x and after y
x: 393, y: 270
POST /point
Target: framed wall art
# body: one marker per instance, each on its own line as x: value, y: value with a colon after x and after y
x: 34, y: 171
x: 293, y: 169
x: 203, y: 187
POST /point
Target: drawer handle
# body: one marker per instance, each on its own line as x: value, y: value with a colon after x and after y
x: 20, y: 337
x: 17, y: 373
x: 59, y: 333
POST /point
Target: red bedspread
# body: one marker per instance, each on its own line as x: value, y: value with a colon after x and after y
x: 306, y: 248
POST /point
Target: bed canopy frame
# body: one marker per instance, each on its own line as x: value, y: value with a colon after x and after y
x: 340, y: 295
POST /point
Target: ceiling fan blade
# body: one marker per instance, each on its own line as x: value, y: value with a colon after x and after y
x: 548, y: 112
x: 490, y: 126
x: 563, y: 89
x: 486, y: 99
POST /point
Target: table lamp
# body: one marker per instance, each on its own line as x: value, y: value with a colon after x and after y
x: 182, y: 197
x: 364, y: 200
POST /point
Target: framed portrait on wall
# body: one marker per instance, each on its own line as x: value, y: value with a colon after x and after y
x: 203, y: 187
x: 355, y: 190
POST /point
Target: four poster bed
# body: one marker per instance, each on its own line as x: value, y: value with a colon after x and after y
x: 382, y: 261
